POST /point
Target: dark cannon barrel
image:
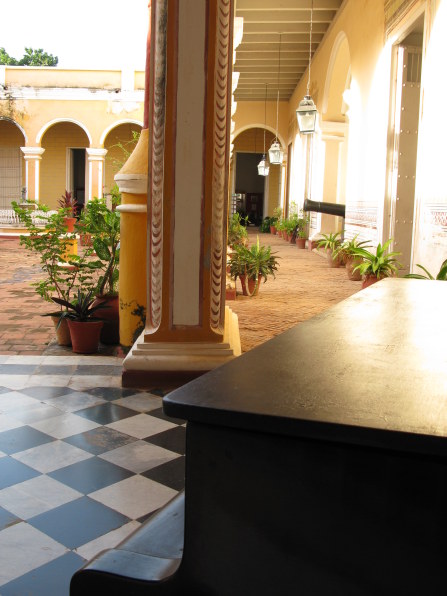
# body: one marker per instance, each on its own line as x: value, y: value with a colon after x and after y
x: 329, y: 208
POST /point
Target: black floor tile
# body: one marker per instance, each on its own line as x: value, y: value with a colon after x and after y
x: 111, y: 393
x: 7, y: 519
x: 173, y: 439
x: 22, y: 438
x: 17, y: 369
x: 105, y: 413
x: 13, y: 472
x: 160, y: 392
x: 52, y: 579
x: 54, y: 369
x: 171, y: 474
x: 99, y: 440
x: 90, y: 475
x: 46, y: 392
x: 158, y: 413
x: 4, y: 390
x: 78, y: 522
x: 99, y: 369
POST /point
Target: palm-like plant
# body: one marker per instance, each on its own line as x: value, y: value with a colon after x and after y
x: 330, y: 241
x: 379, y: 264
x: 256, y: 262
x: 441, y: 276
x: 81, y: 308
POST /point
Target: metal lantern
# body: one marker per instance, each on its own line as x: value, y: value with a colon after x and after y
x: 307, y: 116
x: 275, y: 154
x: 263, y: 167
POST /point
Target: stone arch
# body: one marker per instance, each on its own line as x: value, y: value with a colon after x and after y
x: 64, y: 163
x: 337, y: 80
x: 114, y: 125
x: 241, y: 130
x: 120, y: 133
x: 48, y: 125
x: 22, y: 130
x: 12, y: 170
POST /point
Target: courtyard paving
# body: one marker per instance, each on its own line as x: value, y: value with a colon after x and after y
x: 304, y: 287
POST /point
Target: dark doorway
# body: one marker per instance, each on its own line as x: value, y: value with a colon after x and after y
x: 78, y: 175
x: 251, y: 186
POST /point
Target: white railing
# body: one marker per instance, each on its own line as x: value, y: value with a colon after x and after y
x: 8, y: 217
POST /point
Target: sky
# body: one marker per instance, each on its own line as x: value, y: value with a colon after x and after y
x: 82, y: 33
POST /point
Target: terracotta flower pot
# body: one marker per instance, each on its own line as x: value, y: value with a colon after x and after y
x: 272, y: 230
x: 369, y: 280
x: 300, y: 242
x: 249, y: 287
x: 70, y: 222
x: 62, y: 332
x: 351, y: 263
x: 110, y: 333
x: 85, y: 336
x: 333, y: 262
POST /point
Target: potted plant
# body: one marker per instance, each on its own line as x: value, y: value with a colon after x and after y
x: 277, y: 214
x: 237, y: 230
x: 67, y: 202
x: 441, y: 276
x: 251, y: 264
x: 376, y: 266
x: 266, y: 225
x: 103, y: 225
x: 61, y: 270
x: 330, y: 242
x: 84, y: 326
x: 346, y: 250
x: 301, y: 231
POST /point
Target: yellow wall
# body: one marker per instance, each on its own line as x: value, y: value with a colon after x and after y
x: 53, y: 168
x: 250, y: 114
x: 115, y: 157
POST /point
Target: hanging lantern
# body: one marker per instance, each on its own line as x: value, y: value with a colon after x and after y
x: 263, y: 167
x: 276, y: 154
x: 307, y: 116
x: 306, y: 113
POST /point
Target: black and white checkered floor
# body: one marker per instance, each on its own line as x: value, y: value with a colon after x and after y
x: 82, y: 463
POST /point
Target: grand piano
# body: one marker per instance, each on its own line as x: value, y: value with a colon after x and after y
x: 316, y: 464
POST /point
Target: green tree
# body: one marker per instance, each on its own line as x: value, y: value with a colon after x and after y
x: 31, y: 57
x: 5, y: 58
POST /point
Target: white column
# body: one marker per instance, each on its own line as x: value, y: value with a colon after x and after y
x: 95, y: 174
x: 32, y: 156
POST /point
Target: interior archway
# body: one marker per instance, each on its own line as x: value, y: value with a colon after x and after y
x: 12, y: 172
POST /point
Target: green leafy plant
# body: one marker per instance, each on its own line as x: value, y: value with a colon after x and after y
x: 348, y: 248
x: 265, y: 225
x: 441, y: 276
x: 255, y: 262
x: 379, y: 264
x: 82, y: 308
x: 237, y: 230
x: 330, y: 241
x: 61, y: 270
x: 103, y: 224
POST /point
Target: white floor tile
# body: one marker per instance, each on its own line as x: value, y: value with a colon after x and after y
x: 110, y: 540
x: 74, y: 401
x: 23, y: 548
x: 8, y: 422
x: 89, y: 381
x: 135, y: 496
x: 51, y: 456
x: 14, y: 401
x: 64, y: 426
x: 141, y: 426
x: 140, y: 402
x: 35, y: 413
x: 15, y: 359
x: 48, y: 381
x: 36, y: 496
x: 14, y: 381
x: 139, y: 456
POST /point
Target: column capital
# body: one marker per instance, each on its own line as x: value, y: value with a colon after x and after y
x: 32, y: 152
x: 94, y: 154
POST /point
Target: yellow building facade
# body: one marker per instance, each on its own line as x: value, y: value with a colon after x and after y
x: 61, y: 130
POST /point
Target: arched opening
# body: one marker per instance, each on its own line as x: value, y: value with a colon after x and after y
x: 63, y: 165
x: 120, y: 141
x: 12, y: 172
x: 254, y: 195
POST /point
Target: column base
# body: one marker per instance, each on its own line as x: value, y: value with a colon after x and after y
x: 173, y: 364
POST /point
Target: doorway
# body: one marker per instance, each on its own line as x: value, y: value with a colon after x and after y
x: 406, y: 92
x: 250, y: 186
x: 76, y: 182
